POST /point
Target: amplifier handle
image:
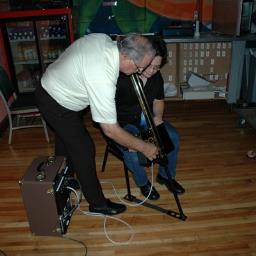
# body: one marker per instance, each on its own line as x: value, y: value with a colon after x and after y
x: 41, y: 175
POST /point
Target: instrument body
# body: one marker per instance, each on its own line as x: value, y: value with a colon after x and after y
x: 153, y: 134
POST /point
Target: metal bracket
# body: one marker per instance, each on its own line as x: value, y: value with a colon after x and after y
x: 170, y: 213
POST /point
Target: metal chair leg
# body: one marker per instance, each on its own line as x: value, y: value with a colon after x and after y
x: 129, y: 196
x: 45, y: 130
x: 10, y: 129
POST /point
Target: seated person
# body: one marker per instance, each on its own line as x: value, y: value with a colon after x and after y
x: 129, y: 117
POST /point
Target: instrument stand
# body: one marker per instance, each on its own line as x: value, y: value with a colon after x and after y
x: 156, y: 139
x: 178, y: 215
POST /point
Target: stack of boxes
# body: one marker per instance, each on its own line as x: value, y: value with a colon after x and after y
x: 210, y: 60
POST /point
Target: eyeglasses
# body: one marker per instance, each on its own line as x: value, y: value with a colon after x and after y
x: 139, y: 69
x: 154, y: 67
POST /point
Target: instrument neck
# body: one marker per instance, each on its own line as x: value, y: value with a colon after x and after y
x: 143, y: 79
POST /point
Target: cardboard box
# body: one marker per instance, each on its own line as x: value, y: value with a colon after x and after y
x: 190, y: 93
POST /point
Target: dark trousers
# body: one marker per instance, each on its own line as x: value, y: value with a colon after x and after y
x: 73, y: 141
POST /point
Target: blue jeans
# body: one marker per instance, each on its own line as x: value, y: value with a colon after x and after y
x: 138, y: 171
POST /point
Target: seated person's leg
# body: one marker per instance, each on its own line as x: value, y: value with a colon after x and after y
x: 172, y: 161
x: 138, y: 172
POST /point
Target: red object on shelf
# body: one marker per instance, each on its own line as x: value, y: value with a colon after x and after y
x: 9, y: 15
x: 3, y: 55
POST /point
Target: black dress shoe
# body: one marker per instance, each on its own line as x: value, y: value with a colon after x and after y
x: 154, y: 195
x: 110, y: 209
x: 177, y: 187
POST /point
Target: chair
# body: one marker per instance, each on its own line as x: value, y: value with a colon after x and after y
x: 112, y: 148
x: 21, y: 110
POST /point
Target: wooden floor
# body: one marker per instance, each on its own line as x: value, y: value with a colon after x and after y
x: 220, y: 198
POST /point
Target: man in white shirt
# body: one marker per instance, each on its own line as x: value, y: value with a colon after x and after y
x: 86, y: 75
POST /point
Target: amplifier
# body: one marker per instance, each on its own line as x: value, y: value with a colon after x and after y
x: 46, y: 195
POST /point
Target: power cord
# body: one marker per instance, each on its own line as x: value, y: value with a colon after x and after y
x: 78, y: 197
x: 2, y: 253
x: 135, y: 204
x: 77, y: 241
x: 106, y: 217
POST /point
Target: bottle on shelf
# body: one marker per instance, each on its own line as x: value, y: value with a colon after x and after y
x: 196, y: 24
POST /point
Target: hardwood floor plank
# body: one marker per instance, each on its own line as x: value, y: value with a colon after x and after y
x: 220, y: 198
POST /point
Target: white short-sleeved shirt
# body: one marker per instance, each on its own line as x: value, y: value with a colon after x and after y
x: 86, y: 74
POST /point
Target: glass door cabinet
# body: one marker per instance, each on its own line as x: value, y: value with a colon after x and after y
x: 34, y: 39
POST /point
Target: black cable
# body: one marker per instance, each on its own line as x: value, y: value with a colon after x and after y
x: 2, y: 253
x: 77, y: 241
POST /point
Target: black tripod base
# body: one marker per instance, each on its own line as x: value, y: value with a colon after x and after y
x: 170, y: 213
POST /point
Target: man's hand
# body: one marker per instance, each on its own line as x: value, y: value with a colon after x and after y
x: 150, y: 151
x: 122, y: 137
x: 157, y: 120
x: 158, y: 110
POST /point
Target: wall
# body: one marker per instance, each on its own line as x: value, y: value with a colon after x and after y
x: 144, y: 16
x: 209, y: 59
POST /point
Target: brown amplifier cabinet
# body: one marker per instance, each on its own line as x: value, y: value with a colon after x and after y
x: 46, y: 196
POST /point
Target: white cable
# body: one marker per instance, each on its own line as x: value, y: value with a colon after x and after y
x: 137, y: 204
x: 106, y: 217
x: 125, y: 223
x: 78, y: 200
x: 95, y: 214
x: 78, y: 197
